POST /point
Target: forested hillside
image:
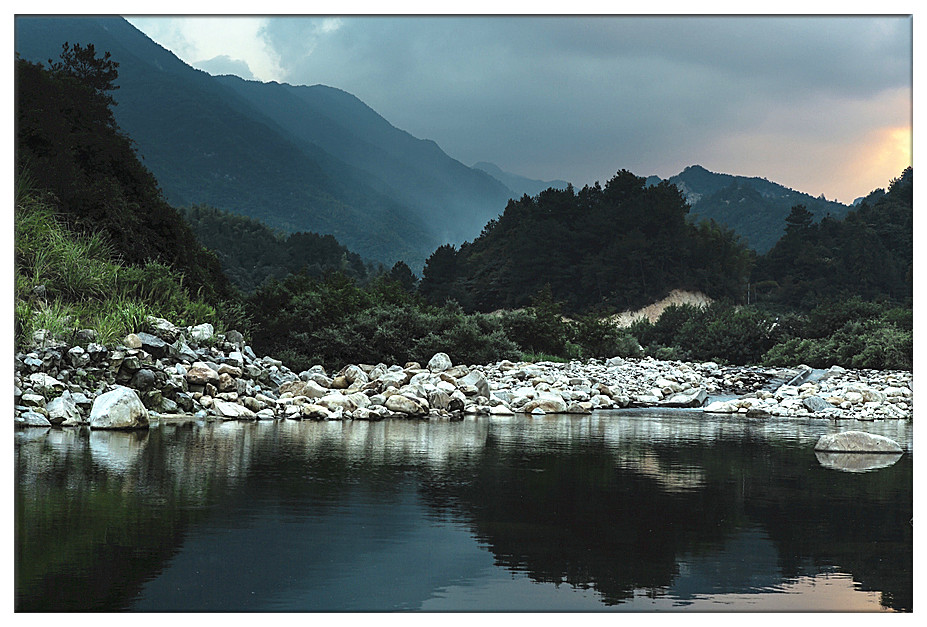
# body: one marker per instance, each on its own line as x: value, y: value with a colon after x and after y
x: 614, y: 247
x: 251, y: 253
x: 68, y: 143
x: 869, y: 253
x: 755, y: 208
x: 97, y: 247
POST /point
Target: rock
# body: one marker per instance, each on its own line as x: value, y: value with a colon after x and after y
x: 78, y: 357
x: 202, y: 332
x: 815, y: 404
x: 337, y: 400
x: 856, y: 462
x: 439, y: 363
x: 120, y: 408
x: 405, y: 405
x: 226, y: 383
x: 32, y: 400
x: 163, y: 329
x: 478, y: 381
x: 857, y: 442
x: 181, y: 350
x: 201, y: 374
x: 31, y: 419
x: 548, y: 404
x: 63, y: 410
x: 500, y: 410
x: 45, y: 384
x: 315, y: 412
x: 153, y: 344
x: 354, y: 375
x: 143, y: 379
x: 309, y: 389
x: 132, y: 341
x: 232, y: 371
x: 226, y: 409
x: 690, y: 398
x: 439, y: 399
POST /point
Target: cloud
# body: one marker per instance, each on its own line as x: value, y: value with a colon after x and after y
x: 195, y: 38
x: 224, y: 64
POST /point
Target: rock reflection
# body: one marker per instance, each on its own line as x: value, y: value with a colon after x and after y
x: 856, y: 462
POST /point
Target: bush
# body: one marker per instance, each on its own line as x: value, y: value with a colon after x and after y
x: 597, y: 337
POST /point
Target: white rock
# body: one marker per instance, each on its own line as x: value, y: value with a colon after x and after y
x: 120, y: 408
x: 439, y: 363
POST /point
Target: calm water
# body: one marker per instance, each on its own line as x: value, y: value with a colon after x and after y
x: 636, y: 511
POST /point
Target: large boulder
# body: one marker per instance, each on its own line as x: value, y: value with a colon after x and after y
x: 439, y: 363
x: 857, y: 442
x: 856, y: 462
x: 120, y: 408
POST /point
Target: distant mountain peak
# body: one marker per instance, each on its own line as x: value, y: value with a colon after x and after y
x: 519, y: 185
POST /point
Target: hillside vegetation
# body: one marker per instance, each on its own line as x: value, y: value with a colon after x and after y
x: 752, y: 207
x: 96, y: 245
x: 616, y: 247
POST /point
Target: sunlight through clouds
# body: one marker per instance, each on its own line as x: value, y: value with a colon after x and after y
x: 198, y: 39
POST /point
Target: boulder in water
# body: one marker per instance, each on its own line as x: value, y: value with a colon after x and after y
x: 857, y: 442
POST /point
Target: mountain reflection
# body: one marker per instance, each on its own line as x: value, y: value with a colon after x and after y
x: 670, y: 504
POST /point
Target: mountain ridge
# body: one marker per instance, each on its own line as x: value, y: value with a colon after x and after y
x: 206, y: 142
x: 754, y: 207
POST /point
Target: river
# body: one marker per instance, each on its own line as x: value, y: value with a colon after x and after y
x: 632, y: 510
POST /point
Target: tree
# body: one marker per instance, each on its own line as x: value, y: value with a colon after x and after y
x: 82, y: 62
x: 402, y: 274
x: 440, y: 274
x: 799, y: 219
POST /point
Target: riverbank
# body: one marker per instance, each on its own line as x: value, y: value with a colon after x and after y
x: 194, y: 371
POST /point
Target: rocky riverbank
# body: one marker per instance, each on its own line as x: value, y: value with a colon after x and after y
x: 194, y: 371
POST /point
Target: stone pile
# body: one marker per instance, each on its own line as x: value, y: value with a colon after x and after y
x: 167, y: 370
x: 838, y: 394
x: 194, y: 371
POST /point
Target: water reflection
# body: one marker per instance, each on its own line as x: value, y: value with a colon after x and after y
x: 630, y: 510
x: 856, y: 462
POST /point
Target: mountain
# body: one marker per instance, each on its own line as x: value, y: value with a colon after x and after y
x: 297, y: 158
x: 754, y: 207
x: 520, y: 185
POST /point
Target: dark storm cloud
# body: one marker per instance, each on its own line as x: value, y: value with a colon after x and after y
x: 578, y: 98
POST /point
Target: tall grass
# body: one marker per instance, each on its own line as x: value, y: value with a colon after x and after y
x: 84, y: 287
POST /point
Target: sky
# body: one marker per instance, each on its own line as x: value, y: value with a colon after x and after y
x: 821, y: 104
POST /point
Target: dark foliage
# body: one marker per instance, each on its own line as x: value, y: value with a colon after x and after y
x: 67, y: 139
x: 868, y: 254
x: 615, y: 247
x: 252, y: 253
